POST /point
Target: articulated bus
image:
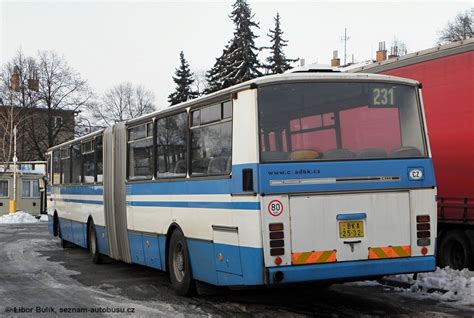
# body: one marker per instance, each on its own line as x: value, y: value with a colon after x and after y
x: 290, y: 178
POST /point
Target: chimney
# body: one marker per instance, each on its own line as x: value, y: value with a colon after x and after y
x: 381, y: 54
x: 335, y: 62
x: 15, y: 79
x: 393, y: 52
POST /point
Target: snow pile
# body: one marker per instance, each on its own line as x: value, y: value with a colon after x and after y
x: 17, y: 218
x: 44, y: 218
x: 459, y: 284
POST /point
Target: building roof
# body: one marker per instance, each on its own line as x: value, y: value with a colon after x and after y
x: 417, y: 57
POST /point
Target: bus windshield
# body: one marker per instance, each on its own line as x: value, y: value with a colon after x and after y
x: 339, y: 121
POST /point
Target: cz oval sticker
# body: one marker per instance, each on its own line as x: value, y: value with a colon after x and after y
x: 416, y: 174
x: 275, y: 207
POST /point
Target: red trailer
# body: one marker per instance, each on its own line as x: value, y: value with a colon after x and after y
x: 447, y: 75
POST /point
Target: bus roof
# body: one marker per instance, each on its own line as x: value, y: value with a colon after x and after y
x: 254, y: 83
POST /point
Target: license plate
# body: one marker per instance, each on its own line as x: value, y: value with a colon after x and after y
x: 351, y: 229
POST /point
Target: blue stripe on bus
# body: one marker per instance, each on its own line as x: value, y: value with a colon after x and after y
x: 195, y: 185
x: 99, y: 202
x: 208, y: 205
x: 185, y: 186
x: 349, y: 173
x: 351, y: 216
x: 82, y: 189
x: 353, y: 269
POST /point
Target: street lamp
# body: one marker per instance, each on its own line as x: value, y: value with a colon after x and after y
x: 12, y: 203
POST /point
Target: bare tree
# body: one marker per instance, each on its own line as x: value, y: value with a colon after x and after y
x: 461, y: 28
x: 62, y: 93
x: 18, y: 93
x: 200, y: 82
x: 398, y: 47
x: 35, y: 93
x: 122, y: 102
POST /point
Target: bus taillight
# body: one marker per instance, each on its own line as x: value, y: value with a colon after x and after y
x: 277, y: 244
x: 423, y: 233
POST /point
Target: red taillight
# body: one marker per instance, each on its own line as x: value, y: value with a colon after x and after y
x: 277, y: 244
x: 424, y: 250
x: 277, y: 251
x: 276, y: 226
x: 423, y: 234
x: 278, y: 260
x: 276, y: 235
x: 422, y: 218
x: 423, y: 226
x: 423, y: 231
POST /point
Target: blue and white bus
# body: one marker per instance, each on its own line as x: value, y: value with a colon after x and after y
x: 283, y: 179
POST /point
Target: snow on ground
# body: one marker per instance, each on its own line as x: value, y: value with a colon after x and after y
x: 17, y: 218
x: 458, y: 284
x: 44, y: 218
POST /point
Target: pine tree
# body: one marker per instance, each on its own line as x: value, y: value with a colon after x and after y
x: 184, y: 80
x: 277, y: 61
x: 238, y: 62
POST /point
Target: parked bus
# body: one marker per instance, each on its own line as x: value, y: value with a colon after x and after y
x: 283, y: 179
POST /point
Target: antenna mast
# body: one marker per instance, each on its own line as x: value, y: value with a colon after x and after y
x: 345, y: 38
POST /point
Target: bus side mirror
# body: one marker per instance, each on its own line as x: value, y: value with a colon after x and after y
x: 42, y: 184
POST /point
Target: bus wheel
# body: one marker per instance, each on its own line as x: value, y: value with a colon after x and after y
x: 55, y: 225
x: 93, y: 244
x: 179, y: 265
x: 455, y: 251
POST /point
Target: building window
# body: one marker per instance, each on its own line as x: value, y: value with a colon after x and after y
x: 171, y: 141
x: 211, y: 140
x: 30, y: 189
x: 140, y: 152
x: 4, y: 189
x: 58, y: 121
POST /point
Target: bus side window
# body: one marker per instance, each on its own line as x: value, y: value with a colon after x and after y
x: 211, y: 141
x: 140, y: 152
x: 88, y: 161
x: 56, y: 167
x: 76, y: 163
x: 66, y: 165
x: 171, y: 142
x: 99, y: 160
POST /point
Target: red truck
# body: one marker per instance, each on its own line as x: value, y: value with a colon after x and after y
x: 447, y: 76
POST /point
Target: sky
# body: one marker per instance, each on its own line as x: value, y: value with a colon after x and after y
x: 109, y: 42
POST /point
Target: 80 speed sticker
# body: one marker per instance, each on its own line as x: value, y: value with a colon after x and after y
x: 275, y: 207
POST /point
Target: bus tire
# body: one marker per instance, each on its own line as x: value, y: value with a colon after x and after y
x: 55, y: 225
x: 179, y: 265
x: 455, y: 250
x: 93, y: 244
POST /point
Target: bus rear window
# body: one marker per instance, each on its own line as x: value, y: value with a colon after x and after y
x: 339, y: 121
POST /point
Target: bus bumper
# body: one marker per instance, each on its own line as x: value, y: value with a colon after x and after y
x: 351, y: 270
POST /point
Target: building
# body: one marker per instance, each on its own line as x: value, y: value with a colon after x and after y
x: 30, y: 197
x: 37, y: 130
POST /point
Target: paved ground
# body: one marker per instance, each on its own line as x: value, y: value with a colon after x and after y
x: 39, y: 278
